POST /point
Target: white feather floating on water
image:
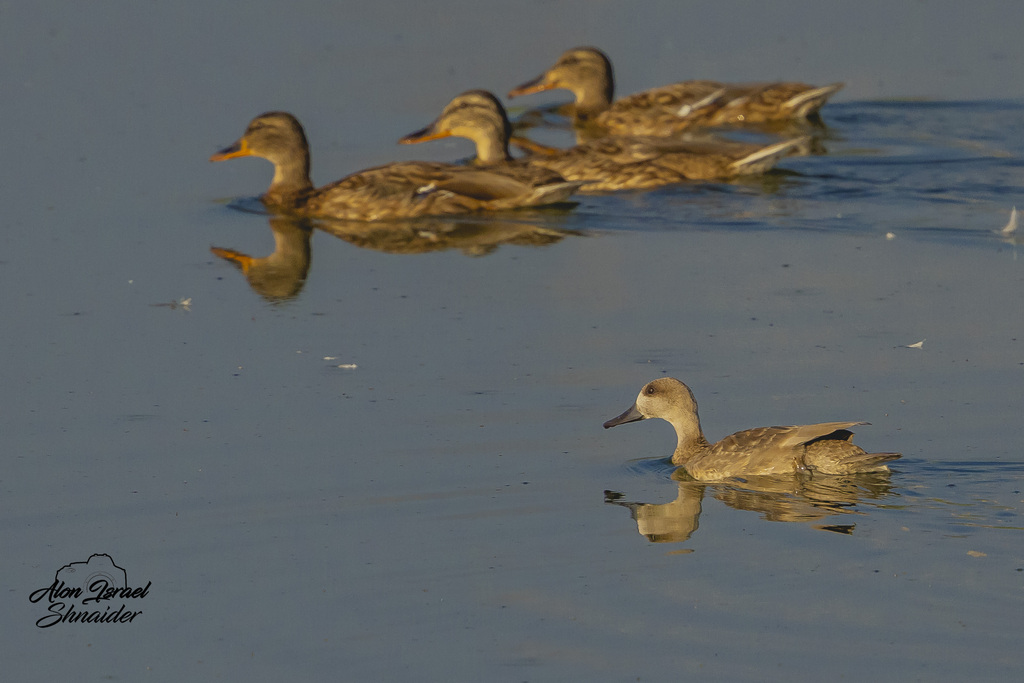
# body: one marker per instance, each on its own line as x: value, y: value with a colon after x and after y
x: 917, y: 345
x: 1011, y: 226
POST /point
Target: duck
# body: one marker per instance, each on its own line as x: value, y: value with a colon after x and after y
x: 665, y: 111
x: 399, y: 190
x: 621, y: 162
x: 824, y: 448
x: 479, y: 116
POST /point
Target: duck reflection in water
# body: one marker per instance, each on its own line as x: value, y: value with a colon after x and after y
x: 471, y: 236
x: 281, y: 275
x: 805, y: 498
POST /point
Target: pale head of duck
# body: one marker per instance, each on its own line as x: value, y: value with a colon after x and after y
x: 586, y: 72
x: 669, y: 399
x: 476, y: 115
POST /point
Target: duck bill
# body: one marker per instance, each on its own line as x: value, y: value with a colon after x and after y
x: 631, y: 415
x: 539, y: 84
x: 423, y: 135
x: 239, y: 149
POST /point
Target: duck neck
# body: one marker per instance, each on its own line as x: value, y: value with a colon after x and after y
x: 492, y: 151
x: 291, y: 180
x: 593, y: 98
x: 690, y: 441
x: 491, y: 145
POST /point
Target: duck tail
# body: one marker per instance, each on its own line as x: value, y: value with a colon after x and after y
x: 858, y: 463
x: 765, y: 158
x: 807, y: 103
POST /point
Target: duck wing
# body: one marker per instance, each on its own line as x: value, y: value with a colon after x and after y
x: 412, y: 189
x: 763, y: 450
x: 760, y: 102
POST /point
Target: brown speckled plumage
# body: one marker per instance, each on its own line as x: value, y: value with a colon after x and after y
x: 394, y: 191
x: 610, y: 163
x: 667, y: 110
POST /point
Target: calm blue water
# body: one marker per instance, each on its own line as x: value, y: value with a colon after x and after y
x: 384, y: 459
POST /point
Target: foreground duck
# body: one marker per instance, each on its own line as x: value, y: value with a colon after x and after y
x: 611, y: 163
x: 394, y: 191
x: 587, y: 72
x: 824, y: 448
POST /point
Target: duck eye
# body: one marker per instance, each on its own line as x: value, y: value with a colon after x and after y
x: 649, y: 391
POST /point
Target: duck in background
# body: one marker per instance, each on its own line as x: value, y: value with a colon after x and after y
x: 610, y: 163
x: 670, y: 109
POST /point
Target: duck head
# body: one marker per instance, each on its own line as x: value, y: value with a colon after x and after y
x: 585, y: 71
x: 277, y: 137
x: 476, y: 115
x: 666, y: 398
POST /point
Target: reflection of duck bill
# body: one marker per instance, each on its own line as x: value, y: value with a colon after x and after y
x: 243, y: 261
x: 239, y: 149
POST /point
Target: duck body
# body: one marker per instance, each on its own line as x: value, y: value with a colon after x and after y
x: 644, y: 162
x: 393, y: 191
x: 410, y: 189
x: 824, y: 448
x: 670, y: 109
x: 611, y: 163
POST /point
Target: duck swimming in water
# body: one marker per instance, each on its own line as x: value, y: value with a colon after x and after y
x: 611, y: 163
x: 399, y: 190
x: 824, y: 448
x: 587, y: 72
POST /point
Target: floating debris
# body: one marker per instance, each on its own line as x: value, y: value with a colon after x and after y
x: 917, y: 345
x: 184, y: 304
x: 1011, y: 226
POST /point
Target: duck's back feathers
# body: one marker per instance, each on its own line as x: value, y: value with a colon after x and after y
x: 643, y: 162
x: 394, y: 191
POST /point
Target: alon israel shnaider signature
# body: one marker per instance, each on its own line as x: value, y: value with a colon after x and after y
x: 92, y: 592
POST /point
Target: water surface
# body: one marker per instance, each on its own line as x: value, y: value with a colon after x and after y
x: 386, y: 461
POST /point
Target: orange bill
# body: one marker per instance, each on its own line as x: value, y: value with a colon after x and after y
x: 239, y: 149
x: 423, y: 135
x: 539, y: 84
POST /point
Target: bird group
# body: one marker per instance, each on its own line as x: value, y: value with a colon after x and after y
x: 637, y: 142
